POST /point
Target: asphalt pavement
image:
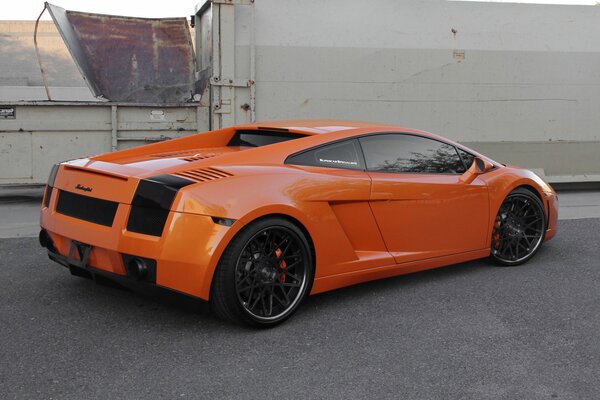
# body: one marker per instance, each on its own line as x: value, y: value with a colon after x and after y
x: 470, y: 331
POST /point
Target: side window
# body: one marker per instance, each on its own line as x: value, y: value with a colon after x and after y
x: 466, y: 157
x: 410, y: 154
x: 344, y: 154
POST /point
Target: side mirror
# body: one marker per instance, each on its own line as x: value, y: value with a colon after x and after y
x: 480, y: 166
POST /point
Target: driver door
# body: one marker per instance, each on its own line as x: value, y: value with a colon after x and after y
x: 421, y: 207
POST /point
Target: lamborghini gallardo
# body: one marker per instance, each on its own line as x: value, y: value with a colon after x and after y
x: 256, y: 217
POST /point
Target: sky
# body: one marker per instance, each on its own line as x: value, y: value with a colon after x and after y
x: 30, y: 9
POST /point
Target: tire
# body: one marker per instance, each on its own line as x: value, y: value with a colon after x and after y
x: 263, y: 275
x: 519, y: 229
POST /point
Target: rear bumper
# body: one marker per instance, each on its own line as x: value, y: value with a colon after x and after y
x: 186, y: 254
x: 103, y: 276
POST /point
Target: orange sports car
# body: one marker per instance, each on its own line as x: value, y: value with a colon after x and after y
x: 255, y: 217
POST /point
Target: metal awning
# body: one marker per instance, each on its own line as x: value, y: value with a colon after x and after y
x: 129, y: 59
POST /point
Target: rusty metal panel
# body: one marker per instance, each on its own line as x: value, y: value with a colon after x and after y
x: 130, y: 59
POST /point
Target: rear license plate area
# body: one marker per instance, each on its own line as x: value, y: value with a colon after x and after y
x: 79, y: 254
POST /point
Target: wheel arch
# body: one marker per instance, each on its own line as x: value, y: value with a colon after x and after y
x: 502, y: 184
x: 531, y: 187
x: 521, y: 182
x: 533, y: 190
x: 298, y: 224
x: 285, y: 212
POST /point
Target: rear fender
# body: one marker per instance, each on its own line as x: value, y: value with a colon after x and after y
x: 239, y: 225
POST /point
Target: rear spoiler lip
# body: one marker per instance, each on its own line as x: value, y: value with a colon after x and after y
x: 96, y: 171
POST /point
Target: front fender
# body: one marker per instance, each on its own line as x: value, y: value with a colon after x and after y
x: 504, y: 180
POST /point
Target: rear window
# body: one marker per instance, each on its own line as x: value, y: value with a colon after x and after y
x: 344, y: 154
x: 257, y: 138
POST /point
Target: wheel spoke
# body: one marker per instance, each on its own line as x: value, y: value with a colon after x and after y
x: 510, y: 248
x: 526, y: 240
x: 288, y: 273
x: 534, y: 219
x: 287, y: 299
x: 289, y: 284
x: 258, y: 297
x: 520, y: 244
x: 271, y: 301
x: 252, y: 291
x: 285, y: 250
x: 520, y: 211
x: 266, y: 243
x: 292, y: 265
x: 285, y: 302
x: 278, y: 246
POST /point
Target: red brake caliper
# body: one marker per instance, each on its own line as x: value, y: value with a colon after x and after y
x: 282, y: 265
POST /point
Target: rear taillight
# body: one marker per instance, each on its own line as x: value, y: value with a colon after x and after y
x: 152, y: 202
x: 50, y: 185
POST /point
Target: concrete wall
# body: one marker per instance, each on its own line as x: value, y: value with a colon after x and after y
x: 510, y: 75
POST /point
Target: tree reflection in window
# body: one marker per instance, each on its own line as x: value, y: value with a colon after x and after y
x: 410, y: 154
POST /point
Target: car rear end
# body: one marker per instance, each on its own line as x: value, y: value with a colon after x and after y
x: 95, y: 220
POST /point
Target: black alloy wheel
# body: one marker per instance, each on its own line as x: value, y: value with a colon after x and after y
x: 519, y: 228
x: 263, y: 275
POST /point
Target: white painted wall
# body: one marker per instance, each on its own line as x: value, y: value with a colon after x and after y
x: 530, y: 73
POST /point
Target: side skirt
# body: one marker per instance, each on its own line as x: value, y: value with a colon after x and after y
x: 332, y: 282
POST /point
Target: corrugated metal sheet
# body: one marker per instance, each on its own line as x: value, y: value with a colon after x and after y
x: 130, y: 59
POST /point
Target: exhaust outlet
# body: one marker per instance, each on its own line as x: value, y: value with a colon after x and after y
x: 137, y: 269
x: 46, y: 240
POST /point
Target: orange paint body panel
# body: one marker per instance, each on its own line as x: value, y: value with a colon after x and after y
x: 362, y: 225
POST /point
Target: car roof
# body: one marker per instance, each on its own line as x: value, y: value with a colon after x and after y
x: 325, y: 130
x: 322, y: 126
